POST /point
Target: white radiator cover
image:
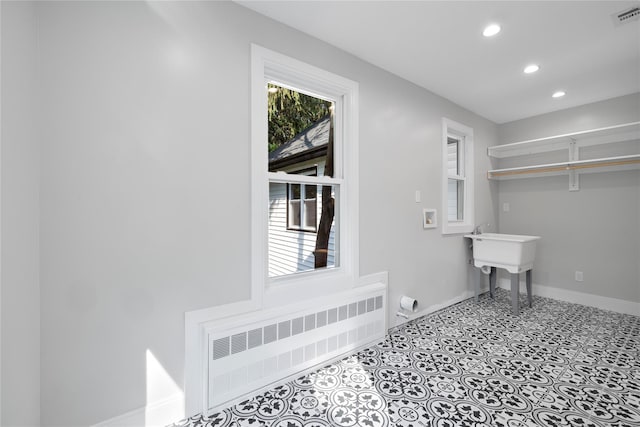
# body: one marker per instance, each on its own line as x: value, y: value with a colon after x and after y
x: 248, y: 352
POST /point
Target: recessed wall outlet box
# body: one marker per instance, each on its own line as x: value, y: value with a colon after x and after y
x: 429, y: 218
x: 579, y: 276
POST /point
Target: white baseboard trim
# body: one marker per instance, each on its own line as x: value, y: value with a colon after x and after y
x: 156, y: 414
x: 591, y: 300
x: 435, y: 307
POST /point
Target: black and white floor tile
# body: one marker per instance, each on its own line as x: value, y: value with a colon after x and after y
x: 471, y: 364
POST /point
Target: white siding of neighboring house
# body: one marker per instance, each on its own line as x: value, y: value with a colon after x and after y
x: 291, y: 251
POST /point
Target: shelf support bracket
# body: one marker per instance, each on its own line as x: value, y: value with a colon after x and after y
x: 574, y: 177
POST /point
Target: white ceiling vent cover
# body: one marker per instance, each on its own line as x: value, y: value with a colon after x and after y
x: 626, y: 16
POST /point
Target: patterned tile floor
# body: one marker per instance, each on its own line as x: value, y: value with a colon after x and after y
x: 471, y: 364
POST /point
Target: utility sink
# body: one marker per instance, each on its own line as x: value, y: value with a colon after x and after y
x: 513, y: 252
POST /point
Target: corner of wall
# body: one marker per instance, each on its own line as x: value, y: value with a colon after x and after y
x: 19, y: 217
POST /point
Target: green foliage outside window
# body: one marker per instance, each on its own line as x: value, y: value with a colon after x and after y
x: 291, y: 112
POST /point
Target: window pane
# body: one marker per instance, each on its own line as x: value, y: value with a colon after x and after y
x: 455, y: 205
x: 455, y: 157
x: 460, y: 215
x: 294, y: 193
x: 310, y: 191
x: 452, y: 157
x: 298, y: 250
x: 294, y: 213
x: 310, y: 212
x: 299, y: 126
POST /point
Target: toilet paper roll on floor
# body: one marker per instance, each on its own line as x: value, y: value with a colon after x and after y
x: 408, y: 304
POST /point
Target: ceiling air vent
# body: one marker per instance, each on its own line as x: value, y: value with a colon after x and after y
x: 626, y: 16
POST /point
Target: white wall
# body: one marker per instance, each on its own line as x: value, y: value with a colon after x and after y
x: 400, y: 152
x: 20, y: 310
x: 595, y: 230
x: 145, y: 145
x: 145, y: 142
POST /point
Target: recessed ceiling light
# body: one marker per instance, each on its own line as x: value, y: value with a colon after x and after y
x: 491, y: 30
x: 558, y: 94
x: 531, y: 68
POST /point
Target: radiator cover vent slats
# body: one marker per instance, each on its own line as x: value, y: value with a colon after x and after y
x: 290, y: 328
x: 255, y: 338
x: 238, y: 343
x: 270, y: 333
x: 220, y: 348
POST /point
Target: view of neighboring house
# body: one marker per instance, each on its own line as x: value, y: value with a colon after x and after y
x: 295, y: 209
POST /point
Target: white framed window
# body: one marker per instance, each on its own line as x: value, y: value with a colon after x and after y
x: 272, y: 68
x: 302, y: 204
x: 457, y: 177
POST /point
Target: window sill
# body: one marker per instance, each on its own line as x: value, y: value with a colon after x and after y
x: 456, y: 229
x: 300, y: 286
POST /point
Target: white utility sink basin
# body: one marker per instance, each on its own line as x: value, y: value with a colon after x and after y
x: 513, y: 252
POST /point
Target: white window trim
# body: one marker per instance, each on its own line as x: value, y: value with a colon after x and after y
x: 267, y: 65
x: 458, y: 130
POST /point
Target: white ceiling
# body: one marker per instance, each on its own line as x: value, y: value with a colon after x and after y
x: 438, y: 45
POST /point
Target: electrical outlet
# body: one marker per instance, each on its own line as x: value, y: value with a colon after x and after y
x: 506, y: 207
x: 579, y: 276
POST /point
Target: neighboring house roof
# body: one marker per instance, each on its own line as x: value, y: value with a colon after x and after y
x: 308, y: 144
